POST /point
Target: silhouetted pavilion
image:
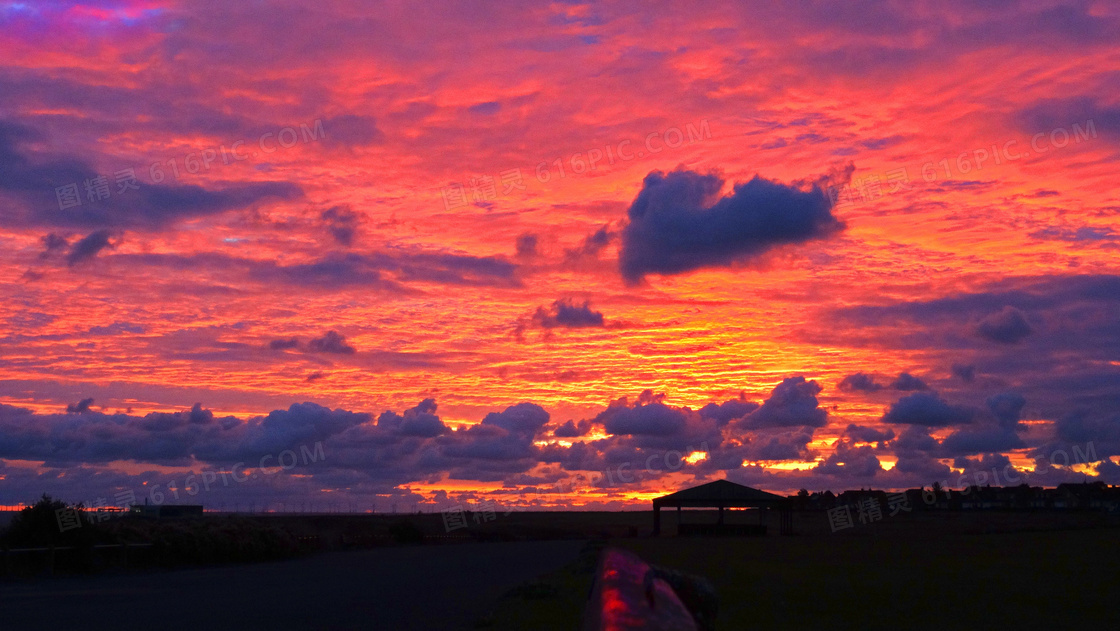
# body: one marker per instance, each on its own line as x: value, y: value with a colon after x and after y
x: 722, y: 494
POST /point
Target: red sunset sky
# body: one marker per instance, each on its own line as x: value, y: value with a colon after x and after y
x: 797, y: 245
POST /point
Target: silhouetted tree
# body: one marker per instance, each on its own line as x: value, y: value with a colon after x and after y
x: 39, y: 525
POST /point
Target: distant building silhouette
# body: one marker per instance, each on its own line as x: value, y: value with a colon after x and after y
x: 1087, y: 496
x: 167, y: 511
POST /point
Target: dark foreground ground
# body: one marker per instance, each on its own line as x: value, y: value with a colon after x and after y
x: 923, y: 579
x: 407, y: 587
x: 525, y: 571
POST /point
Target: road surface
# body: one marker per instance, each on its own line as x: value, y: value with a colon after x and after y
x: 410, y: 587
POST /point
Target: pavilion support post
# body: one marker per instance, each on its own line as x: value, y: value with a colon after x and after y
x: 656, y: 519
x: 721, y: 514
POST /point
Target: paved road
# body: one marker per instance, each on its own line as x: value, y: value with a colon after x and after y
x: 414, y: 587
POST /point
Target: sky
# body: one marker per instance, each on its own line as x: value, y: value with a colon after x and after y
x: 402, y: 256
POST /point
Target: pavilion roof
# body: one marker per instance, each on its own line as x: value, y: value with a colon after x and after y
x: 720, y: 492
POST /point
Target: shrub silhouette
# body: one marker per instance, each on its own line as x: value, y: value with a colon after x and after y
x: 37, y: 526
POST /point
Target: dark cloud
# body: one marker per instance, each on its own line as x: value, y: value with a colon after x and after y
x: 792, y: 403
x: 1074, y: 338
x: 417, y: 445
x: 861, y: 434
x: 117, y: 328
x: 341, y: 222
x: 331, y: 342
x: 1008, y: 326
x: 964, y: 372
x: 302, y: 424
x: 921, y: 468
x: 449, y: 268
x: 649, y: 423
x: 502, y: 444
x: 486, y: 109
x: 84, y: 436
x: 1093, y: 119
x: 199, y: 416
x: 567, y: 313
x: 654, y: 419
x: 724, y: 413
x: 52, y: 243
x: 571, y: 429
x: 784, y: 445
x: 1079, y: 235
x: 1004, y: 303
x: 420, y: 421
x: 589, y: 249
x: 157, y: 206
x: 989, y: 467
x: 859, y: 382
x: 926, y: 409
x: 908, y: 382
x: 332, y: 272
x: 1007, y: 408
x: 390, y: 270
x: 850, y: 462
x: 678, y: 222
x: 283, y: 344
x: 22, y: 172
x: 352, y: 130
x: 979, y: 440
x: 87, y: 247
x: 1072, y: 27
x: 914, y: 438
x: 489, y: 443
x: 523, y: 419
x: 81, y: 407
x: 35, y: 179
x: 527, y: 245
x: 1080, y: 428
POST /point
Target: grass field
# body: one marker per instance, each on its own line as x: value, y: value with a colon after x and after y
x: 924, y: 579
x: 925, y: 570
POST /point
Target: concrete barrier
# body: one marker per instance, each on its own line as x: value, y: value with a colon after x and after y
x: 629, y: 594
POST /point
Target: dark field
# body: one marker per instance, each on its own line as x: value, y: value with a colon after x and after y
x: 359, y: 530
x: 405, y: 587
x: 1020, y: 581
x: 936, y: 571
x: 534, y: 570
